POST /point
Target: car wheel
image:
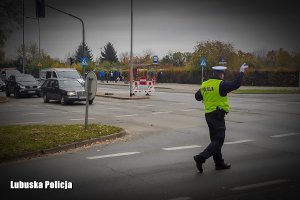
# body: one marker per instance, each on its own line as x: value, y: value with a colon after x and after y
x: 7, y: 93
x: 38, y: 94
x: 62, y: 100
x: 46, y: 100
x: 91, y: 101
x: 17, y: 94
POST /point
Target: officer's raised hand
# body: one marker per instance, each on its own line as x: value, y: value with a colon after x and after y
x: 243, y: 67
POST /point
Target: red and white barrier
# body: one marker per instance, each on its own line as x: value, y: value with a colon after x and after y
x: 143, y: 86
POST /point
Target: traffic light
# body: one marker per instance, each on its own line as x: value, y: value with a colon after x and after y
x: 71, y: 61
x: 40, y: 8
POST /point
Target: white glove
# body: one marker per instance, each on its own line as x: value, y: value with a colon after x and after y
x: 243, y: 67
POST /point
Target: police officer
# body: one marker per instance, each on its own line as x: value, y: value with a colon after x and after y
x: 213, y: 93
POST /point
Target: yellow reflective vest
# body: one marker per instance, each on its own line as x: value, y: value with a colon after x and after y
x: 211, y: 96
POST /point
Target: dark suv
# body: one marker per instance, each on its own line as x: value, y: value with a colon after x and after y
x: 63, y: 90
x: 23, y: 84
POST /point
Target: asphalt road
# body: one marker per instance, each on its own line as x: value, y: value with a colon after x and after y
x: 155, y: 160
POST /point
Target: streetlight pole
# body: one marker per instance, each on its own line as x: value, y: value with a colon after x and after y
x: 39, y: 57
x: 23, y: 46
x: 131, y: 61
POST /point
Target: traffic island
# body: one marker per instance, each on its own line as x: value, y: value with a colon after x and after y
x: 121, y: 96
x: 27, y: 141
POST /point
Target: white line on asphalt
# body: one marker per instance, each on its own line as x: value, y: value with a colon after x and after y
x: 80, y: 119
x: 182, y: 147
x: 34, y: 114
x: 113, y: 108
x: 257, y: 185
x: 188, y: 110
x: 177, y: 103
x: 238, y: 142
x: 29, y: 122
x: 112, y: 155
x: 77, y: 111
x: 145, y: 106
x: 166, y: 112
x: 284, y: 135
x: 132, y: 115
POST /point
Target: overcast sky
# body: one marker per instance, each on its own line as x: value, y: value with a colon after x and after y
x: 161, y: 25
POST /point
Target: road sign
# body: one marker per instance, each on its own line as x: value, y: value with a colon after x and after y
x: 84, y: 61
x: 155, y: 60
x: 91, y: 86
x: 222, y: 61
x: 202, y: 62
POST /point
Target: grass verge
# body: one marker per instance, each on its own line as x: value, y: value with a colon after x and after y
x: 16, y: 140
x: 262, y: 91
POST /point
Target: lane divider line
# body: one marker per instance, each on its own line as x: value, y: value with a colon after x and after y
x: 257, y: 185
x: 284, y: 135
x: 238, y: 141
x: 188, y: 110
x: 164, y: 112
x: 127, y: 115
x: 112, y: 155
x: 80, y: 119
x: 182, y: 147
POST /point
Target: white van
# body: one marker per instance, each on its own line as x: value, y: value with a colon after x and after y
x: 60, y: 73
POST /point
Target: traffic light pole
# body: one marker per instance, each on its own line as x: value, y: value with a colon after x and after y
x: 83, y: 31
x: 84, y: 76
x: 131, y: 61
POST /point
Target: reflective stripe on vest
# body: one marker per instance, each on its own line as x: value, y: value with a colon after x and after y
x: 211, y: 96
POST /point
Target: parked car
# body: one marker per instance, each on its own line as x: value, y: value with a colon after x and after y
x: 24, y: 84
x: 60, y: 73
x: 2, y: 85
x: 7, y: 72
x: 63, y: 90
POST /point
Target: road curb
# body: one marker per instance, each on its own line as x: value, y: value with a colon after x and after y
x: 66, y: 147
x: 119, y: 96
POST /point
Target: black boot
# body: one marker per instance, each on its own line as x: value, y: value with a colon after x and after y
x: 199, y: 161
x: 222, y: 166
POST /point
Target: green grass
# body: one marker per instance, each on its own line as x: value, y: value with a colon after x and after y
x: 263, y: 91
x: 16, y: 140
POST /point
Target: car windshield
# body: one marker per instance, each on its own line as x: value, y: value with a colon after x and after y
x: 25, y: 79
x: 68, y: 74
x: 69, y: 84
x: 12, y: 72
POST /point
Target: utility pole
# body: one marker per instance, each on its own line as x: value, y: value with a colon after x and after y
x: 83, y: 31
x: 131, y: 61
x: 23, y: 46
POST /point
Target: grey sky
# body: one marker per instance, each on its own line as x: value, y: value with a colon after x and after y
x: 162, y: 25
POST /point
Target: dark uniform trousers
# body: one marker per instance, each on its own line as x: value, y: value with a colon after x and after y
x: 216, y: 124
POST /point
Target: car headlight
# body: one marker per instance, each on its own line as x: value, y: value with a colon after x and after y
x: 22, y: 86
x: 71, y: 93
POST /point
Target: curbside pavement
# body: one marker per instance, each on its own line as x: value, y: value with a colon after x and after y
x: 66, y: 147
x: 121, y: 96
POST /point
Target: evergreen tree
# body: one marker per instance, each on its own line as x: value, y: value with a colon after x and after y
x: 87, y: 53
x: 109, y: 54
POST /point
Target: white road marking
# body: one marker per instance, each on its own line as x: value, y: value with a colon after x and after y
x: 165, y: 112
x: 144, y: 106
x: 29, y: 122
x: 132, y: 115
x: 284, y: 135
x: 257, y: 185
x: 77, y: 111
x: 177, y: 103
x: 182, y: 147
x: 34, y: 114
x: 113, y: 108
x: 112, y: 155
x: 80, y: 119
x: 238, y: 142
x: 188, y: 110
